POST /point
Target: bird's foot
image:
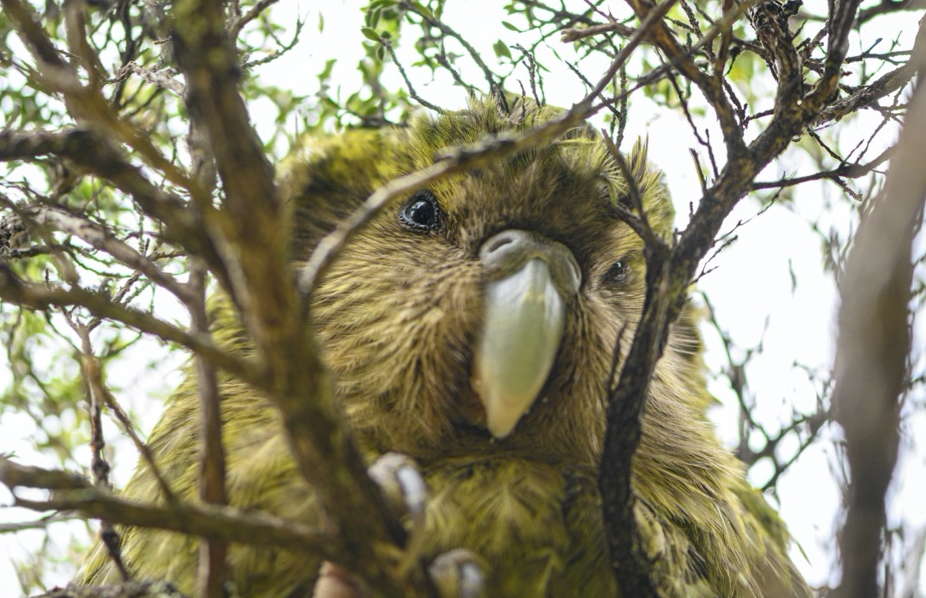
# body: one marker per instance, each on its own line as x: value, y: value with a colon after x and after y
x: 454, y: 574
x: 457, y: 574
x: 400, y: 481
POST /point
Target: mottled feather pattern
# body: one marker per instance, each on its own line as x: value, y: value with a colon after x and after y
x: 397, y: 317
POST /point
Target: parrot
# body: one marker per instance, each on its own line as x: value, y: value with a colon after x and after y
x: 471, y: 326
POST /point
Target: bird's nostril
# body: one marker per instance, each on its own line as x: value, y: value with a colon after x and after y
x: 498, y: 242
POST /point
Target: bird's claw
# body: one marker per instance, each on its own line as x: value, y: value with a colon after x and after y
x: 335, y: 582
x: 400, y: 481
x: 457, y: 574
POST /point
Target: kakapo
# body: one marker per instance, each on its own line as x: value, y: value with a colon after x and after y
x: 471, y: 326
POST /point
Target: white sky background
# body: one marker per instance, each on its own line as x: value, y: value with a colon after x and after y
x: 750, y: 286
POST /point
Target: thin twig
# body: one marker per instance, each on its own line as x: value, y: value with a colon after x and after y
x: 208, y: 521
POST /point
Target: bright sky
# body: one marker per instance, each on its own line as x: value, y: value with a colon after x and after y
x: 750, y: 287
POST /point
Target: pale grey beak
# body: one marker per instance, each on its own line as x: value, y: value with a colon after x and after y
x: 531, y: 281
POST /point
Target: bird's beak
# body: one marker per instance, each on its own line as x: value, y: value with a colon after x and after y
x: 524, y: 318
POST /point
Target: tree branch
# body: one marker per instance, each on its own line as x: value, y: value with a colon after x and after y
x: 874, y: 342
x: 89, y: 150
x: 255, y: 227
x: 211, y: 522
x: 39, y: 297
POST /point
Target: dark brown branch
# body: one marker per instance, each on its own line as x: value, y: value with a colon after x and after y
x: 625, y: 405
x: 669, y: 272
x: 847, y: 170
x: 867, y: 96
x: 790, y: 117
x: 710, y: 86
x: 839, y: 26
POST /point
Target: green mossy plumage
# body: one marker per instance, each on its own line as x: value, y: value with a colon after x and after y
x: 397, y: 316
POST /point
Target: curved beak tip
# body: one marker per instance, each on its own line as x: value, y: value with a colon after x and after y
x: 523, y: 327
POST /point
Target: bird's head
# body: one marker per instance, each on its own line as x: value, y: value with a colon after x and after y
x: 481, y: 313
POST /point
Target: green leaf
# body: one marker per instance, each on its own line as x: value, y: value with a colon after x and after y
x: 501, y: 49
x: 326, y: 72
x: 508, y: 25
x: 370, y: 34
x: 422, y: 9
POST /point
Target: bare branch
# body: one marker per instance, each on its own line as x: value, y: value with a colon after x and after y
x: 212, y: 475
x: 255, y: 11
x: 99, y: 237
x: 207, y: 521
x: 711, y: 87
x: 888, y: 7
x: 91, y: 151
x: 845, y: 170
x: 87, y: 104
x: 494, y: 84
x: 867, y: 96
x: 257, y: 230
x: 576, y: 33
x: 36, y: 296
x: 874, y: 342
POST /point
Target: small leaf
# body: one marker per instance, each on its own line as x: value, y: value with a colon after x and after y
x: 326, y: 72
x: 370, y: 34
x: 501, y: 49
x: 423, y: 10
x: 509, y: 26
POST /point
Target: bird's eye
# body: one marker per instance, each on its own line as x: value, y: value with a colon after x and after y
x: 421, y: 213
x: 617, y: 273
